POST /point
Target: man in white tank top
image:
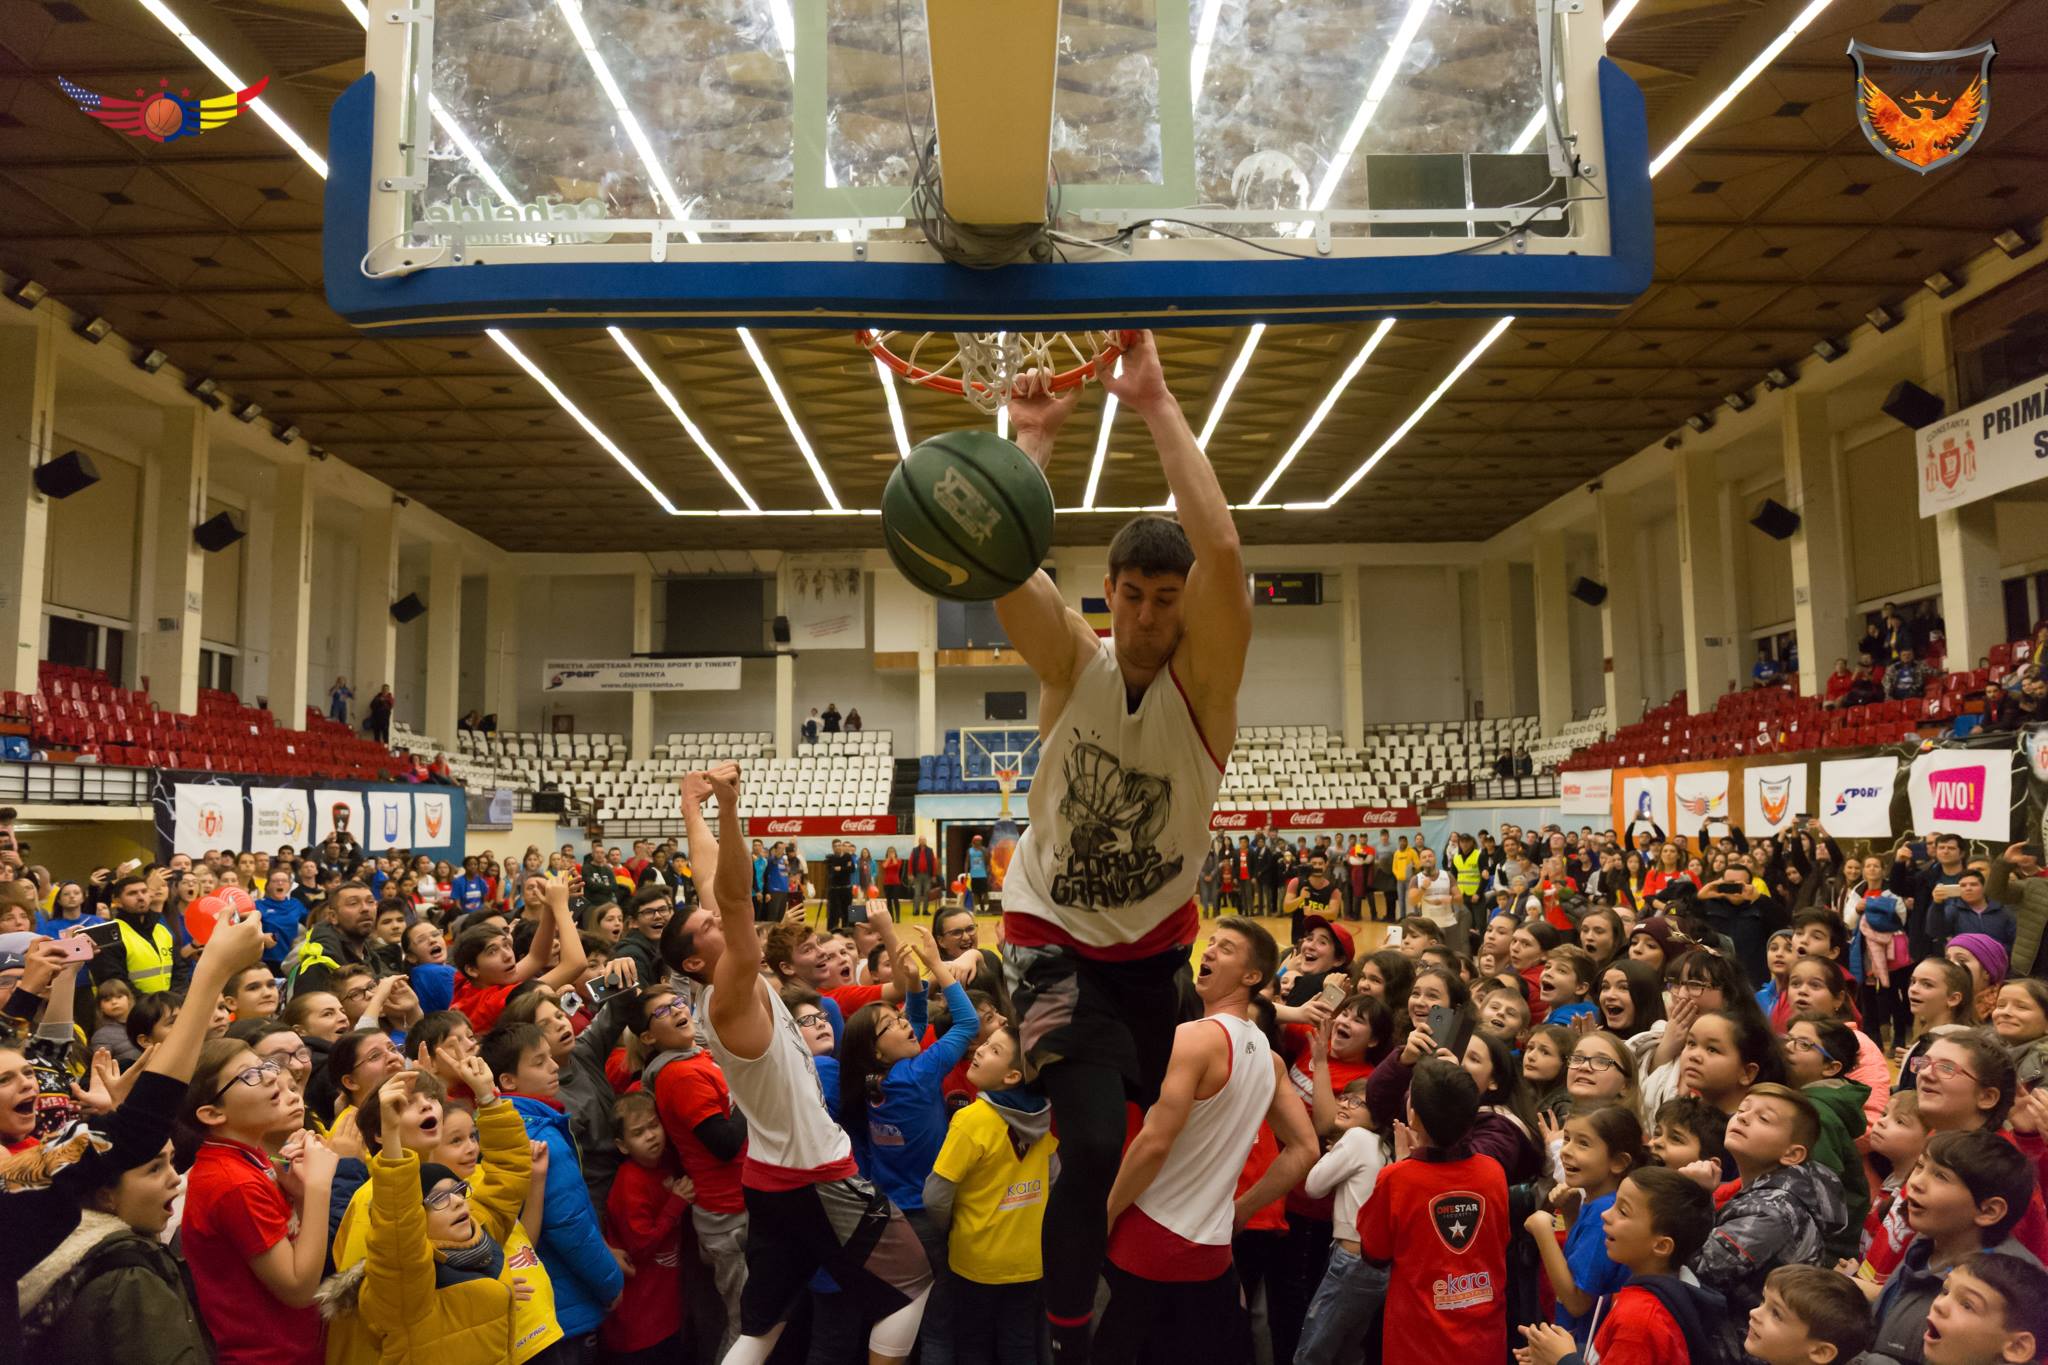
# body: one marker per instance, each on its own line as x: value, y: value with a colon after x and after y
x: 1098, y: 904
x: 1174, y: 1294
x: 808, y: 1206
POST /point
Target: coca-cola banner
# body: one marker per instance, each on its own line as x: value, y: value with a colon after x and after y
x: 818, y: 826
x: 1317, y: 817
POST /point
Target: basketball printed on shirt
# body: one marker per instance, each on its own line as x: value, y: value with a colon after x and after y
x: 1457, y: 1215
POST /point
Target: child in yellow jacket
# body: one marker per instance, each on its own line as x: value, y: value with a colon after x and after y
x: 412, y: 1274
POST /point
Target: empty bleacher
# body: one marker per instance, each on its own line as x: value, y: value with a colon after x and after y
x: 79, y: 711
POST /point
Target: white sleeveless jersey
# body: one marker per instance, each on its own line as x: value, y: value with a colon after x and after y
x: 1196, y: 1188
x: 1119, y: 811
x: 779, y: 1092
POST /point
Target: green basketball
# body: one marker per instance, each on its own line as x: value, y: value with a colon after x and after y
x: 968, y: 516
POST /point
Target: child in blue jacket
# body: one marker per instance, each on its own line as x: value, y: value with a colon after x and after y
x: 587, y: 1278
x: 892, y: 1101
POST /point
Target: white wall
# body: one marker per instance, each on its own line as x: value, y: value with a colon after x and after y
x: 1664, y: 609
x: 1588, y: 649
x: 751, y: 707
x: 962, y: 702
x: 1294, y: 672
x: 1766, y: 564
x: 91, y: 561
x: 1414, y: 651
x: 847, y: 678
x: 409, y: 685
x: 1891, y: 547
x: 331, y: 629
x: 576, y: 616
x: 220, y: 616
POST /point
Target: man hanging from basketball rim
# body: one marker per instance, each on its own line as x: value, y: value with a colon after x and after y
x: 1099, y: 909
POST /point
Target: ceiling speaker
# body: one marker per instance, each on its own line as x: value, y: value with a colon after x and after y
x: 1589, y: 592
x: 408, y: 608
x: 1775, y: 519
x: 1913, y: 406
x: 218, y: 532
x: 71, y: 472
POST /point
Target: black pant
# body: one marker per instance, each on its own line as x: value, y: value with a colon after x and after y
x: 893, y: 894
x: 1150, y: 1322
x: 838, y: 904
x: 1882, y: 1004
x: 1292, y: 1280
x: 1252, y: 1252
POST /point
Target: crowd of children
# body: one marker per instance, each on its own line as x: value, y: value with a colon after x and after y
x: 526, y: 1123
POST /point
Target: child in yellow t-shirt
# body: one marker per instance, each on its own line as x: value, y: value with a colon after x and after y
x: 989, y: 1185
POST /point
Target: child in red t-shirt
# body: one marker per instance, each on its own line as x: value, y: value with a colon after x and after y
x: 1898, y: 1137
x: 1658, y: 1221
x: 709, y: 1133
x: 644, y: 1219
x: 1438, y: 1219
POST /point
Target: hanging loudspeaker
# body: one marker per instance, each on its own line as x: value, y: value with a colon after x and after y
x: 1775, y: 519
x: 408, y: 608
x: 71, y: 472
x: 1589, y: 592
x: 781, y: 628
x: 218, y: 532
x: 1910, y: 405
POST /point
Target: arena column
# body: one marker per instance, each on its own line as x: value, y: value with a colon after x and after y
x: 28, y: 403
x: 280, y: 571
x: 501, y: 648
x: 1821, y: 594
x: 642, y: 735
x: 785, y: 681
x: 376, y: 656
x: 1351, y: 608
x: 1553, y: 636
x: 1965, y: 538
x: 1496, y: 638
x: 1621, y: 615
x: 1706, y: 597
x: 444, y: 642
x: 173, y: 567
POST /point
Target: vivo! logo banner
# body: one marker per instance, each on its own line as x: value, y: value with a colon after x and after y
x: 1966, y: 791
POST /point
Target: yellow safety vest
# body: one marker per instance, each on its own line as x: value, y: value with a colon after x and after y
x: 149, y: 959
x: 1467, y: 867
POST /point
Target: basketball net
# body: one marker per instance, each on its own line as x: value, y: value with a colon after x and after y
x: 985, y: 366
x: 1006, y: 782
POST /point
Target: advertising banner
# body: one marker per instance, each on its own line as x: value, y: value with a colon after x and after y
x: 1856, y: 796
x: 206, y: 817
x: 1963, y: 791
x: 1645, y: 800
x: 1993, y: 447
x: 640, y: 675
x: 1317, y: 817
x: 338, y: 812
x: 390, y: 821
x: 824, y: 598
x: 1771, y: 796
x: 818, y: 826
x: 279, y: 816
x: 431, y: 820
x: 1699, y: 799
x: 1586, y: 793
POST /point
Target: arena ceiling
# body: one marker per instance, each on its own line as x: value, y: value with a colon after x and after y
x: 1777, y: 226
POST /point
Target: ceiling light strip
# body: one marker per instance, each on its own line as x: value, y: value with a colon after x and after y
x: 1316, y: 419
x: 1375, y: 95
x: 895, y: 412
x: 624, y: 343
x: 803, y: 443
x: 1101, y: 444
x: 1229, y: 385
x: 671, y: 202
x: 209, y: 59
x: 1408, y: 424
x: 1205, y: 39
x: 590, y: 428
x: 1739, y: 84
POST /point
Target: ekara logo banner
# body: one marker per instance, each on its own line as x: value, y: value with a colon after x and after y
x: 1771, y: 796
x: 1964, y: 791
x: 1856, y: 796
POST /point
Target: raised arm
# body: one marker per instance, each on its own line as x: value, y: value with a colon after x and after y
x: 1216, y: 606
x: 570, y: 965
x: 1298, y: 1149
x: 738, y: 1013
x: 1054, y: 641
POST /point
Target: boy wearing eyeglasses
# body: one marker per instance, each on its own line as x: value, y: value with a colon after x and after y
x: 1816, y: 1046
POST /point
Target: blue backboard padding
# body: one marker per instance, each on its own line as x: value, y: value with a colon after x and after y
x: 944, y: 297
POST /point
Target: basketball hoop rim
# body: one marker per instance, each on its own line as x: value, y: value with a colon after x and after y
x: 873, y: 343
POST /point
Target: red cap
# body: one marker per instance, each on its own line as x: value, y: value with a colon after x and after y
x: 1337, y: 932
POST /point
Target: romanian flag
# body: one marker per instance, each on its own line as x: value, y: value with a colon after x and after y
x: 1095, y: 611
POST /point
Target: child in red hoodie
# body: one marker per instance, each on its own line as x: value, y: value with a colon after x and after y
x: 644, y: 1218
